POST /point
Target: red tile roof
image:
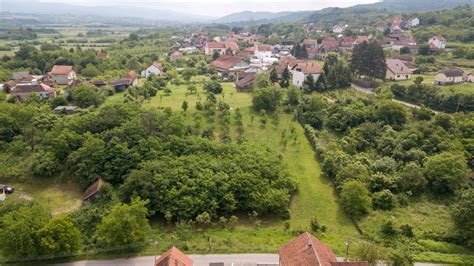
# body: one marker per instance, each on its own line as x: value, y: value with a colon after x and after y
x: 361, y: 39
x: 223, y: 45
x: 310, y: 42
x: 93, y: 189
x: 173, y: 257
x: 61, y: 70
x: 226, y: 62
x: 264, y: 48
x: 350, y: 263
x: 308, y: 68
x: 131, y: 75
x: 306, y: 250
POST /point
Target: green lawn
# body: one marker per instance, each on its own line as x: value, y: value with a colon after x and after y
x: 315, y: 196
x: 465, y: 88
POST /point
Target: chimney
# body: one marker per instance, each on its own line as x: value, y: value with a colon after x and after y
x: 310, y: 243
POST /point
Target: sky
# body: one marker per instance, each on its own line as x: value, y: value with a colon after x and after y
x: 218, y: 8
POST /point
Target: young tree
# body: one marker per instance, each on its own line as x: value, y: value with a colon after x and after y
x: 355, y: 198
x: 59, y: 236
x: 267, y: 99
x: 262, y: 80
x: 215, y: 55
x: 184, y: 106
x: 213, y: 86
x: 126, y: 226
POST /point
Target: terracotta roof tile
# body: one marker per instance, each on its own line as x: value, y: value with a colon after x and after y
x: 306, y: 250
x: 61, y: 70
x: 174, y: 257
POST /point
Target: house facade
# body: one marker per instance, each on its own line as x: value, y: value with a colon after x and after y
x: 397, y: 70
x: 450, y: 76
x: 302, y: 70
x: 437, y: 42
x: 220, y: 47
x: 226, y: 64
x: 263, y: 51
x: 62, y: 75
x: 339, y: 28
x: 21, y: 92
x: 155, y: 68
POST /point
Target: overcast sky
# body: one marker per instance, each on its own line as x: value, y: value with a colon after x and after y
x: 218, y: 8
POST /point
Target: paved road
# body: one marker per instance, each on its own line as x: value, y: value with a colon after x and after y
x: 199, y: 260
x: 369, y: 91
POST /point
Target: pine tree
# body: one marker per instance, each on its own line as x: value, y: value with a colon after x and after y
x: 303, y: 52
x: 309, y: 84
x: 322, y: 83
x: 274, y: 76
x: 285, y: 82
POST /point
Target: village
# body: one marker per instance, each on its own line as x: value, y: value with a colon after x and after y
x: 341, y: 138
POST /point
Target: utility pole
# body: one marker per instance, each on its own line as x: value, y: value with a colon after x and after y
x: 347, y: 249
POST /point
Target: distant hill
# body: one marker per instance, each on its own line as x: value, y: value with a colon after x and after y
x: 36, y: 7
x: 250, y: 17
x: 416, y: 5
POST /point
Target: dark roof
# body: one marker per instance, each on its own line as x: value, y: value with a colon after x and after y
x: 93, y: 189
x: 120, y: 82
x: 396, y: 66
x: 173, y: 257
x: 245, y: 81
x: 98, y: 83
x: 32, y: 88
x: 17, y: 76
x: 453, y: 72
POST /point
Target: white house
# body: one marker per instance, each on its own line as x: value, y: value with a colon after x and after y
x: 437, y: 42
x: 21, y: 92
x: 339, y: 28
x: 263, y: 51
x: 155, y: 68
x: 302, y: 70
x: 397, y: 70
x: 412, y: 22
x: 450, y: 76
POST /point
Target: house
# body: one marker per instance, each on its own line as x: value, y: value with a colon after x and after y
x: 62, y: 75
x: 175, y: 55
x: 339, y: 28
x: 249, y: 51
x: 406, y: 59
x: 380, y: 27
x: 308, y: 250
x: 263, y: 51
x: 470, y: 77
x: 244, y: 81
x: 65, y: 109
x: 154, y: 69
x: 220, y: 47
x: 121, y: 84
x: 3, y: 194
x: 99, y: 83
x: 361, y: 39
x: 397, y: 70
x: 397, y: 24
x: 412, y: 22
x: 173, y: 257
x: 22, y: 91
x: 437, y: 42
x: 93, y: 190
x: 18, y: 77
x: 302, y: 70
x: 312, y: 53
x: 346, y: 43
x: 228, y: 63
x: 405, y: 42
x: 450, y: 76
x: 133, y: 77
x: 329, y: 44
x: 310, y: 43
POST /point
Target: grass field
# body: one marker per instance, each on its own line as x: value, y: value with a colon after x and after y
x: 465, y: 88
x: 315, y: 196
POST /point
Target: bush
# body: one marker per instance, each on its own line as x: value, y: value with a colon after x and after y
x: 213, y: 87
x: 45, y: 164
x: 267, y: 99
x: 383, y: 200
x: 388, y: 229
